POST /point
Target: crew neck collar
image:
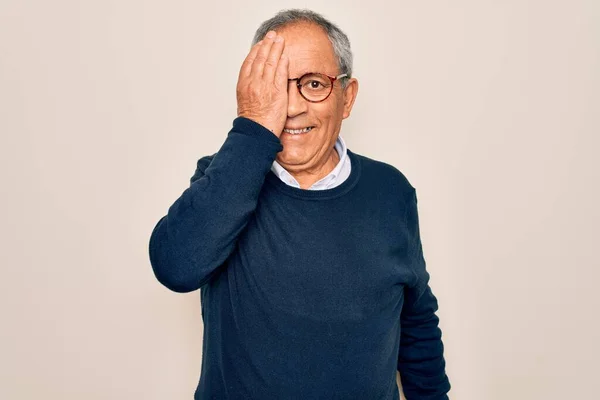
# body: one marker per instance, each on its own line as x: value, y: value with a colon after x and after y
x: 322, y: 194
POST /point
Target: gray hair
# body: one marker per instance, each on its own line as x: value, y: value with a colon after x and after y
x: 338, y: 39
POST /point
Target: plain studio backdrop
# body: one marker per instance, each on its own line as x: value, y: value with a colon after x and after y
x: 490, y: 108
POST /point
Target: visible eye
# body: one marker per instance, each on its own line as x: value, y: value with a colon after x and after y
x: 315, y: 84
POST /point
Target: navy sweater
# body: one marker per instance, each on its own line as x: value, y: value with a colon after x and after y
x: 305, y: 294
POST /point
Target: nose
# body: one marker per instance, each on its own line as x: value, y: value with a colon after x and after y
x: 296, y: 103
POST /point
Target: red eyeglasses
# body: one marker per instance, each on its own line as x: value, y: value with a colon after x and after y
x: 316, y: 87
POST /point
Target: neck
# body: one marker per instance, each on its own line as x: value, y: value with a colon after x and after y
x: 307, y: 178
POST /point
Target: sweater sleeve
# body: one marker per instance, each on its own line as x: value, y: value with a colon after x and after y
x: 420, y: 360
x: 194, y: 239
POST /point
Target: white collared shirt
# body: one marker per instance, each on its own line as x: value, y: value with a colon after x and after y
x: 338, y: 175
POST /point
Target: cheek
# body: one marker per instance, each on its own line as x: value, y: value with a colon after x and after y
x: 325, y: 112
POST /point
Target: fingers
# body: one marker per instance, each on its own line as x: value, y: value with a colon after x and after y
x: 262, y: 85
x: 281, y: 74
x: 273, y: 59
x: 263, y: 53
x: 246, y: 68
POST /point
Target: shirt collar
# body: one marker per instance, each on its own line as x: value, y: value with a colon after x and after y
x: 326, y: 181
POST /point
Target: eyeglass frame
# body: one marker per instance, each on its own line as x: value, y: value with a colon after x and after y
x: 331, y: 78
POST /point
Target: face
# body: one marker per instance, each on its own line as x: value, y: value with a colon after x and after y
x: 309, y: 50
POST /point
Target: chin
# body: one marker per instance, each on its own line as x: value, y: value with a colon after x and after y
x: 292, y: 157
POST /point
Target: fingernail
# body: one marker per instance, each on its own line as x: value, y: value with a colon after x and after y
x: 279, y: 39
x: 271, y: 34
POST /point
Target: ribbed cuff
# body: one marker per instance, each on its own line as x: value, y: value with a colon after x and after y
x: 246, y: 125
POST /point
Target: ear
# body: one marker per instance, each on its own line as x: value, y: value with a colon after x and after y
x: 349, y: 96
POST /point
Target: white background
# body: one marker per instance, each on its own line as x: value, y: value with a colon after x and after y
x: 490, y: 108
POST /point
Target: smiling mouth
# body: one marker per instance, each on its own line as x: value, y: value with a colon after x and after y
x: 298, y: 131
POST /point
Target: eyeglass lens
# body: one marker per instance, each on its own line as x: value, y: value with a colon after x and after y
x: 315, y: 87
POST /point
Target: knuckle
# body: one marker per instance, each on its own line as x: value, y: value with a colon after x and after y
x: 255, y: 91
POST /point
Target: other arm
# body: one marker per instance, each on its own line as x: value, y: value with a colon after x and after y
x: 420, y: 360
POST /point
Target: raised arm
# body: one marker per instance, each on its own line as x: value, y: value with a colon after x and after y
x: 421, y: 357
x: 200, y: 230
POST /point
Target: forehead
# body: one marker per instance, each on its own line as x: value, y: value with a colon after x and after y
x: 308, y: 49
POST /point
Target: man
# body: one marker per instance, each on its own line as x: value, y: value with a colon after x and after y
x: 308, y: 255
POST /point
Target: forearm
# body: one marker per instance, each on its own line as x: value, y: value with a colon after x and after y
x: 201, y: 228
x: 421, y: 356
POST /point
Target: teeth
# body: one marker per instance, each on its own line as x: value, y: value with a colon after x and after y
x: 298, y: 131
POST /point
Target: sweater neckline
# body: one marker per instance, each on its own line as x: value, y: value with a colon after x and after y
x: 320, y: 194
